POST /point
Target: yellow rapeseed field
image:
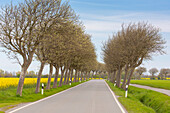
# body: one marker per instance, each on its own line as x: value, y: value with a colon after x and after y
x: 7, y: 82
x: 155, y: 78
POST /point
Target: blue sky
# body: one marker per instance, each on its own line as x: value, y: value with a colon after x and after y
x: 102, y: 18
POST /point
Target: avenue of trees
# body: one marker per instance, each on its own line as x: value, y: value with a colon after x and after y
x: 128, y: 48
x: 50, y: 31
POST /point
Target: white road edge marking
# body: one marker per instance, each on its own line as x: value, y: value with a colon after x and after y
x: 46, y: 98
x: 118, y: 103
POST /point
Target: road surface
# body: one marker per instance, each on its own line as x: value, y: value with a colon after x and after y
x: 164, y: 91
x: 90, y: 97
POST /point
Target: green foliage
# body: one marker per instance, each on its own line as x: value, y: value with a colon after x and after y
x: 158, y: 101
x: 135, y: 106
x: 164, y: 84
x: 143, y: 101
x: 18, y: 75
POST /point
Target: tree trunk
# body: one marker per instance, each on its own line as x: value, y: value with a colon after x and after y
x: 88, y: 75
x: 92, y: 74
x: 165, y: 76
x: 75, y: 76
x: 56, y: 77
x: 118, y: 78
x: 24, y: 68
x: 108, y: 77
x: 78, y: 76
x: 125, y: 78
x: 130, y: 76
x: 65, y: 76
x: 68, y: 77
x: 96, y: 75
x: 39, y: 77
x: 21, y: 80
x: 140, y: 75
x: 153, y: 76
x: 161, y: 77
x: 81, y: 75
x: 61, y: 78
x: 85, y: 74
x: 71, y: 76
x: 49, y: 77
x: 113, y: 77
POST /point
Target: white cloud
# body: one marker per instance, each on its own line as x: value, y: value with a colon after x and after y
x: 112, y: 23
x: 101, y: 26
x: 94, y: 4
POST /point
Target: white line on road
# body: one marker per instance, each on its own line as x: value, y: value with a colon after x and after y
x: 45, y: 98
x: 115, y: 99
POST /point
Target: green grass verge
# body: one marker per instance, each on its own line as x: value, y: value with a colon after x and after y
x: 9, y: 99
x: 164, y: 84
x: 142, y: 100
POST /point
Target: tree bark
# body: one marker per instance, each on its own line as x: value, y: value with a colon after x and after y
x: 118, y: 78
x: 75, y: 76
x: 39, y: 77
x: 92, y: 74
x: 125, y: 78
x: 68, y: 77
x: 24, y: 68
x: 81, y: 75
x: 84, y: 74
x: 71, y: 76
x: 131, y: 73
x: 153, y: 76
x: 49, y: 76
x: 21, y: 80
x: 56, y: 77
x: 65, y: 76
x: 88, y: 75
x: 108, y: 77
x: 78, y: 76
x: 96, y: 75
x: 113, y: 77
x: 61, y: 78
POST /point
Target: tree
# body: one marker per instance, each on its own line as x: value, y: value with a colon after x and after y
x: 164, y: 72
x: 23, y: 27
x: 153, y: 71
x: 129, y: 47
x: 140, y: 71
x: 1, y: 72
x: 31, y: 73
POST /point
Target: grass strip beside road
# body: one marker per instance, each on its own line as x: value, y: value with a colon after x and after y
x: 9, y: 99
x: 142, y: 100
x: 164, y: 84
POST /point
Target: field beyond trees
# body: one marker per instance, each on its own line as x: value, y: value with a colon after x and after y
x: 164, y: 84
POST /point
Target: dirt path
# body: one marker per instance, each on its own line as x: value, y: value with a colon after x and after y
x: 164, y: 91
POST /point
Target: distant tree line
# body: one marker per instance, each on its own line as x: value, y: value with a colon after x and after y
x: 155, y: 73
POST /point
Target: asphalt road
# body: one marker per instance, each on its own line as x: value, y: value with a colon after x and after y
x: 90, y: 97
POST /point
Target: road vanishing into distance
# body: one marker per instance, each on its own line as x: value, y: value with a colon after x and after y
x: 93, y: 96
